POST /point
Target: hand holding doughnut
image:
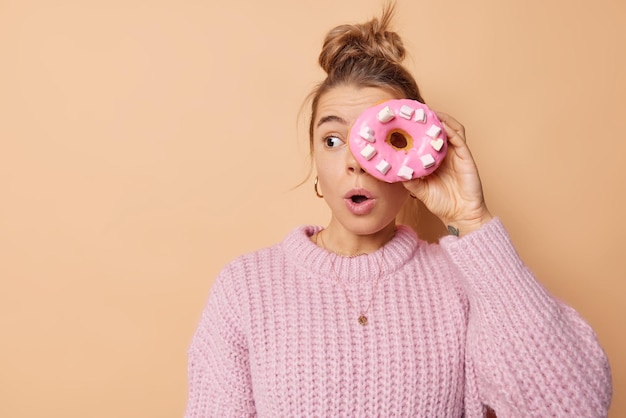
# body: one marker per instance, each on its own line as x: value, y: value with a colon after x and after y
x: 454, y: 192
x: 398, y: 140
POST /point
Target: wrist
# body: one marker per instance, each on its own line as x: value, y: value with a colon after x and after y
x: 461, y: 227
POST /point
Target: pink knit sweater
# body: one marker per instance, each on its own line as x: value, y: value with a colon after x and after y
x: 452, y: 327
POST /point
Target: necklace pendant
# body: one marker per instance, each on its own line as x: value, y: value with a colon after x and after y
x: 363, y: 320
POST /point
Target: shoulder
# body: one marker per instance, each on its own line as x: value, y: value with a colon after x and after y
x: 420, y: 247
x: 243, y: 281
x: 266, y: 261
x: 431, y: 269
x: 407, y: 251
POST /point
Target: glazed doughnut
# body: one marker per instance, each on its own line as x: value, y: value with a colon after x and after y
x: 398, y: 140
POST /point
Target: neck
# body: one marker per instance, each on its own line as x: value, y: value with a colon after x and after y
x: 339, y: 240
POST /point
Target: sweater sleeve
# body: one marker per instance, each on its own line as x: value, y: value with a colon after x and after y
x: 219, y: 381
x: 527, y: 354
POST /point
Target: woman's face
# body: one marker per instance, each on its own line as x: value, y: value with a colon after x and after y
x: 359, y: 203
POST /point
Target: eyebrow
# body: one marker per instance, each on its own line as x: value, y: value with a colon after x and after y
x: 331, y: 118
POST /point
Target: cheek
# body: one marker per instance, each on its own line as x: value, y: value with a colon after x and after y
x: 326, y: 173
x: 397, y: 194
x: 327, y: 162
x: 323, y: 167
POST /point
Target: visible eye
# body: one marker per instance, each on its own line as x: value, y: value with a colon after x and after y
x: 333, y: 141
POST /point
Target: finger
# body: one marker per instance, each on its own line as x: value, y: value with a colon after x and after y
x: 454, y: 124
x: 454, y: 137
x: 458, y: 142
x: 454, y: 130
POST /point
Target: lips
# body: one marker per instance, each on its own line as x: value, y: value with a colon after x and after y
x: 359, y: 201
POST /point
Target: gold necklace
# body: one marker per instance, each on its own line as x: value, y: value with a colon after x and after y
x: 363, y: 320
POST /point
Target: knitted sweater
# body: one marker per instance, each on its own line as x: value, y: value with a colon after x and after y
x: 452, y: 327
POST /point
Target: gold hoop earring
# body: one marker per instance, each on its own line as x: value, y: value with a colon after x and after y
x: 315, y: 188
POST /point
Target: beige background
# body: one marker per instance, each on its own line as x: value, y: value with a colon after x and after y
x: 146, y: 143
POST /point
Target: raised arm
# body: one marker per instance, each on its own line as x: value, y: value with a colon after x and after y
x: 527, y: 354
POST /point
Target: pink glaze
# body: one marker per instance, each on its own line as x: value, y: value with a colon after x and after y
x: 414, y: 155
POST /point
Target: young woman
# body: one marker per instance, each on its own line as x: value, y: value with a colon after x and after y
x: 362, y: 318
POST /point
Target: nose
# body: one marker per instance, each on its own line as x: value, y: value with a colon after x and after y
x: 352, y: 166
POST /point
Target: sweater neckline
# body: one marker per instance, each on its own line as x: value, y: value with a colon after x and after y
x: 305, y: 254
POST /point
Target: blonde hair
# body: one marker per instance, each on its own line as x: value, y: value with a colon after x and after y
x: 368, y: 54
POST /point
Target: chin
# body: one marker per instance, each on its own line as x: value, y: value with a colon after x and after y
x: 363, y: 226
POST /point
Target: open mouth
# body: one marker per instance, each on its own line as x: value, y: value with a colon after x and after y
x: 360, y: 201
x: 358, y: 198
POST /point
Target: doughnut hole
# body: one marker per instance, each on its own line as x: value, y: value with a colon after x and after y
x: 400, y: 140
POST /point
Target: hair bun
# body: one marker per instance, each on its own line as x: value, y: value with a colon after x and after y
x: 372, y: 40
